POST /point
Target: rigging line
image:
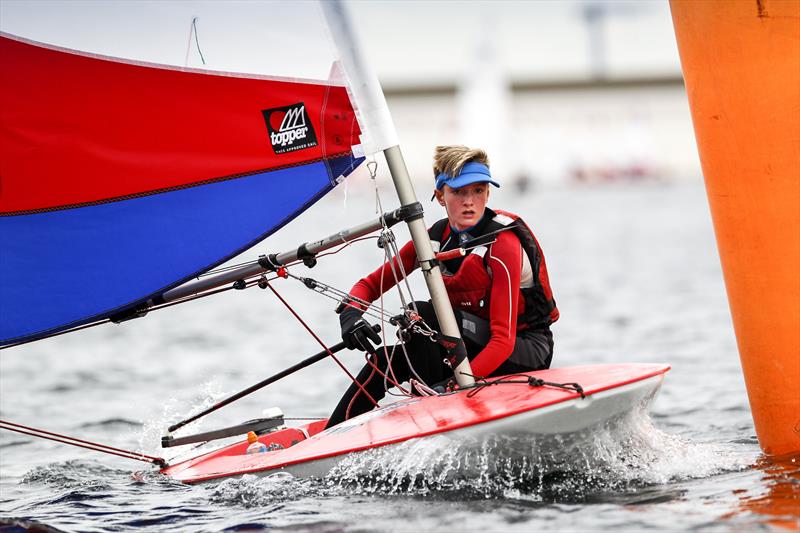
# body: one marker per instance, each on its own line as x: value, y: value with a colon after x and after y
x: 390, y: 358
x: 392, y: 380
x: 402, y: 268
x: 383, y: 329
x: 386, y: 354
x: 339, y: 295
x: 45, y: 432
x: 405, y: 305
x: 72, y: 441
x: 390, y: 259
x: 392, y: 249
x: 251, y: 282
x: 225, y: 269
x: 408, y: 361
x: 232, y: 267
x: 482, y: 383
x: 330, y: 353
x: 405, y: 354
x: 388, y: 236
x: 370, y: 311
x: 411, y: 328
x: 324, y: 287
x: 362, y: 389
x: 128, y: 455
x: 372, y: 167
x: 346, y: 244
x: 376, y: 369
x: 197, y: 40
x: 423, y: 389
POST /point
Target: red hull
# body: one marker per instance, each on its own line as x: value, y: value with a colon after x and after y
x: 415, y: 418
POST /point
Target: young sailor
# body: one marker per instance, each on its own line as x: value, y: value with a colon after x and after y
x: 500, y: 291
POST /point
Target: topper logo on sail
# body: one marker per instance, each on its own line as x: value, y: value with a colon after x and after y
x: 289, y: 128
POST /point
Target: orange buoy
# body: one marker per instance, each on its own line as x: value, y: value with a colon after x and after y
x: 741, y: 65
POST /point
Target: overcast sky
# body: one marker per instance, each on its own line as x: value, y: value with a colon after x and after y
x: 408, y: 43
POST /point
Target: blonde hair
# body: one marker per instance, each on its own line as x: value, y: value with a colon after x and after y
x: 450, y: 159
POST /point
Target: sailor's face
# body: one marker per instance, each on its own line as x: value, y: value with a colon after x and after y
x: 465, y: 205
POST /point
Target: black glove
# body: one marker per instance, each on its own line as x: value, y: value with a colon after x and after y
x: 356, y: 332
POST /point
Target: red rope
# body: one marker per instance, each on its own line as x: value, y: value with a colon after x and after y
x: 72, y: 441
x: 350, y: 404
x: 389, y: 368
x: 376, y: 369
x: 324, y: 347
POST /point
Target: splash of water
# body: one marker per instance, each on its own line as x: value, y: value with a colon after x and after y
x: 254, y: 491
x: 175, y: 410
x: 620, y: 455
x: 75, y: 474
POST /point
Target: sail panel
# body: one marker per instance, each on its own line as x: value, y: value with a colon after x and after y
x: 120, y: 180
x: 77, y: 128
x: 64, y: 268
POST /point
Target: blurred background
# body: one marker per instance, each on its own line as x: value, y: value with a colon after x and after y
x: 557, y: 92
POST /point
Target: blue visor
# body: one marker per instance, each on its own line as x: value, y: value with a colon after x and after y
x: 470, y: 173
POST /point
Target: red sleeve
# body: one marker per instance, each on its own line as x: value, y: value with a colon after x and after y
x: 505, y: 260
x: 371, y: 287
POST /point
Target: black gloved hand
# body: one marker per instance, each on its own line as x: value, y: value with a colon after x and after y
x: 356, y: 332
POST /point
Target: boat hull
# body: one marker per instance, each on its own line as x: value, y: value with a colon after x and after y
x: 513, y: 410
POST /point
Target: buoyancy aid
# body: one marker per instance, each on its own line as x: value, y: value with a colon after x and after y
x: 469, y: 279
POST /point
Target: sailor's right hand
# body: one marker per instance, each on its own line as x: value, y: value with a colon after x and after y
x: 357, y: 332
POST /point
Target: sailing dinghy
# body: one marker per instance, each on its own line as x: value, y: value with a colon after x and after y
x: 515, y: 406
x: 106, y: 216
